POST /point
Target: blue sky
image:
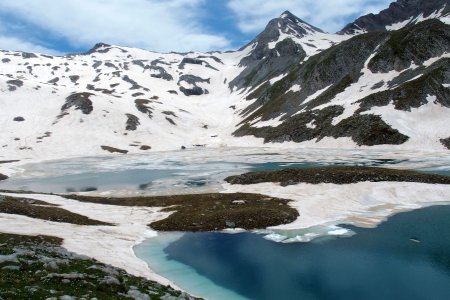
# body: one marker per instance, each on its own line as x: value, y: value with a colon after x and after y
x: 70, y: 26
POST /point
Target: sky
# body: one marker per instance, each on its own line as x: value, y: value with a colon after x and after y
x: 74, y: 26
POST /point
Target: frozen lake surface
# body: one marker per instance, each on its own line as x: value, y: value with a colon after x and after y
x: 194, y: 171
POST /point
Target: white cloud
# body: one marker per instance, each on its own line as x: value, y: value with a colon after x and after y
x: 17, y: 44
x: 329, y: 15
x: 159, y: 25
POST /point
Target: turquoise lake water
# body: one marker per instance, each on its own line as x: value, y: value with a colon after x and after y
x: 406, y: 257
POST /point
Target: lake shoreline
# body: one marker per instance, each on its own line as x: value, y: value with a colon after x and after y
x: 361, y: 203
x: 407, y: 247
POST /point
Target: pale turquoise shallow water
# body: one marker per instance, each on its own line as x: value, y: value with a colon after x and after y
x: 407, y: 257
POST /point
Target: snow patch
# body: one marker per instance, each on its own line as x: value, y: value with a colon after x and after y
x: 277, y: 78
x: 295, y: 88
x: 363, y: 204
x: 432, y: 127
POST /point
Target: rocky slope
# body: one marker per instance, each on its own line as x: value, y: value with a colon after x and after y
x: 383, y: 80
x: 376, y: 88
x: 399, y: 14
x: 38, y: 267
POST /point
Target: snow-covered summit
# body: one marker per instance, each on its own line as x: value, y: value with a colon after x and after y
x: 292, y: 19
x: 292, y: 83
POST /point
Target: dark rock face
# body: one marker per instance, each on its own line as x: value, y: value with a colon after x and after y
x: 197, y: 61
x: 54, y: 80
x: 15, y: 82
x: 132, y: 122
x: 171, y: 121
x: 414, y: 93
x: 114, y: 150
x: 141, y: 105
x: 162, y: 73
x: 99, y: 48
x: 367, y: 130
x: 193, y: 80
x: 3, y: 177
x: 264, y: 63
x: 19, y: 119
x: 27, y: 55
x: 337, y: 63
x: 188, y: 60
x: 111, y: 65
x: 335, y: 69
x: 74, y: 78
x: 80, y: 101
x: 97, y: 64
x: 134, y: 84
x: 195, y: 91
x: 412, y: 44
x: 446, y: 142
x: 399, y: 11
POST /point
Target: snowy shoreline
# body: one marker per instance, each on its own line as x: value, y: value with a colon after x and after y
x: 108, y: 244
x: 318, y: 205
x: 363, y: 204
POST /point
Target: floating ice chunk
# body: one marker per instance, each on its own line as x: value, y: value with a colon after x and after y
x: 307, y: 237
x: 275, y: 237
x: 340, y: 231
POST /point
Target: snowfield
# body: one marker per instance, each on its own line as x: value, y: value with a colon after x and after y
x: 137, y: 101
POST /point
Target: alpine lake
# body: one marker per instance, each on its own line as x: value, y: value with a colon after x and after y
x: 405, y: 257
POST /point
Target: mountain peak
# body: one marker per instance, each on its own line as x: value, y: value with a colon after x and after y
x: 288, y: 17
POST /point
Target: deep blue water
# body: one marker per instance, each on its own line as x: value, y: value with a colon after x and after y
x: 406, y: 257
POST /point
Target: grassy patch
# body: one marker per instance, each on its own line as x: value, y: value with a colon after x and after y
x: 43, y: 210
x: 37, y: 267
x: 336, y: 175
x: 205, y: 212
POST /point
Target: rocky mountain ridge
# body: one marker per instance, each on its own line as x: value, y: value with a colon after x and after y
x: 399, y: 14
x: 293, y: 85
